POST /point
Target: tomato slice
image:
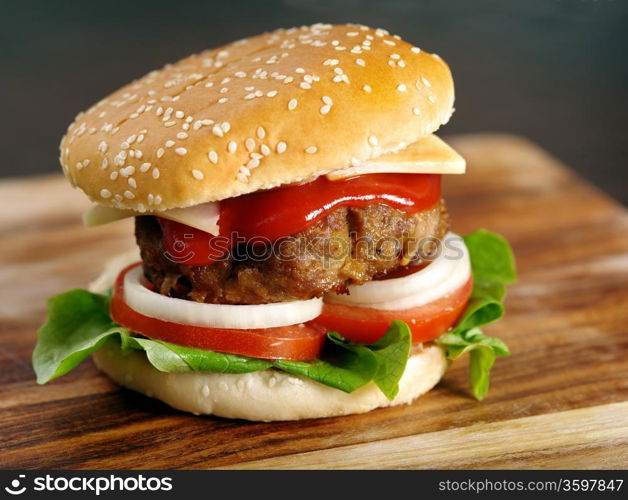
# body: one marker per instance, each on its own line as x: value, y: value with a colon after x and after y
x: 366, y: 325
x: 295, y: 342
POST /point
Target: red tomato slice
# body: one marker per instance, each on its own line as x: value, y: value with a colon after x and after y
x: 300, y: 343
x: 366, y: 325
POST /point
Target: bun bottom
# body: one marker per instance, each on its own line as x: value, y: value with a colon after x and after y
x: 267, y: 395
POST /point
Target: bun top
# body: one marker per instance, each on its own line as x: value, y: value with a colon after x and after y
x: 278, y: 108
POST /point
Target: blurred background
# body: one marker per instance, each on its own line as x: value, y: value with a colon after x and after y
x: 555, y: 71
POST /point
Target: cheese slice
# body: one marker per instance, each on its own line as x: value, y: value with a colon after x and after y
x: 430, y: 155
x: 203, y: 217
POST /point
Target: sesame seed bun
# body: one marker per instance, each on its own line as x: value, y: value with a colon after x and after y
x: 278, y: 108
x: 265, y: 395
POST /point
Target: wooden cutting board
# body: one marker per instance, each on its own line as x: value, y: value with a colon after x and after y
x: 560, y: 401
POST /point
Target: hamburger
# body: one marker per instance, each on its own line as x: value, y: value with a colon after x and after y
x: 294, y: 255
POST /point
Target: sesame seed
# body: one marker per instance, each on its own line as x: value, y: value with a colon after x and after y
x: 232, y: 147
x: 124, y: 145
x: 415, y: 50
x: 155, y: 173
x: 160, y: 152
x: 223, y: 100
x: 360, y: 62
x: 367, y: 88
x: 416, y: 111
x: 197, y: 124
x: 213, y: 157
x: 327, y: 100
x: 127, y: 171
x: 311, y: 150
x: 373, y: 140
x: 102, y: 147
x: 169, y: 143
x: 113, y: 176
x: 129, y: 195
x: 426, y: 82
x: 305, y: 85
x: 181, y: 151
x: 389, y: 42
x: 402, y: 87
x: 132, y: 182
x: 170, y: 123
x: 261, y: 133
x: 292, y: 104
x: 325, y: 109
x: 179, y: 114
x: 281, y: 147
x: 105, y: 193
x: 157, y: 199
x: 240, y: 74
x: 401, y: 64
x: 355, y: 162
x: 252, y: 163
x: 182, y: 135
x: 395, y: 56
x: 299, y: 70
x: 105, y: 163
x: 144, y: 167
x: 265, y: 149
x: 198, y: 175
x: 431, y: 98
x: 226, y: 126
x: 217, y: 130
x: 249, y: 144
x: 272, y: 93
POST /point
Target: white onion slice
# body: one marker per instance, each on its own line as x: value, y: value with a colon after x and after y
x: 186, y: 312
x: 447, y: 273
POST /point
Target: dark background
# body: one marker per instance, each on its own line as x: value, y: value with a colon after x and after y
x: 555, y: 71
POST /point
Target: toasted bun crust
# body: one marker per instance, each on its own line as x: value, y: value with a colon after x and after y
x: 278, y: 108
x: 265, y: 395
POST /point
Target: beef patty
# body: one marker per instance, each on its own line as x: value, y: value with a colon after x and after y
x: 349, y: 246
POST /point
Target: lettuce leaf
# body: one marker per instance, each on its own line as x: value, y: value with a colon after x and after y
x: 79, y: 323
x: 493, y: 266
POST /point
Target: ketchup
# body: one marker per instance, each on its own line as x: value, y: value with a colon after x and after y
x: 266, y: 216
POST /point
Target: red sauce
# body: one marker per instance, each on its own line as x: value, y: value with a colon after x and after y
x: 266, y: 216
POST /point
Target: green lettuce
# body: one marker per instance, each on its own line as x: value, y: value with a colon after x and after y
x: 493, y: 266
x: 79, y: 323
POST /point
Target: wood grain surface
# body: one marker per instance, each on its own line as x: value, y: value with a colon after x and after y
x: 560, y: 400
